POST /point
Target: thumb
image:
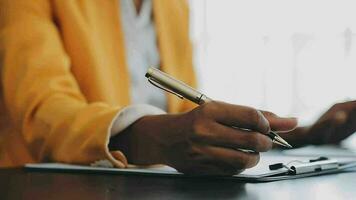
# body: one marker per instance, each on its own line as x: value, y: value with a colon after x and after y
x: 280, y: 123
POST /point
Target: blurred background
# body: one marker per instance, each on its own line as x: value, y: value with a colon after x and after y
x: 295, y: 58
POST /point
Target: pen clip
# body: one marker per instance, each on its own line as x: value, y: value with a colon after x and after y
x: 160, y: 86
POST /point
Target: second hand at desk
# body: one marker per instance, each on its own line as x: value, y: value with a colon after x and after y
x: 182, y: 90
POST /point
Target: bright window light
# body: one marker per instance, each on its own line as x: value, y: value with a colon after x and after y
x: 295, y: 58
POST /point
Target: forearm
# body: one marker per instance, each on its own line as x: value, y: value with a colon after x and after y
x: 122, y: 126
x: 142, y: 141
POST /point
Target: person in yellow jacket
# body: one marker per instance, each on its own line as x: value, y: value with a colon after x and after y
x: 70, y: 90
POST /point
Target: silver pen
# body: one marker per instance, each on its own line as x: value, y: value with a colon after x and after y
x: 182, y: 90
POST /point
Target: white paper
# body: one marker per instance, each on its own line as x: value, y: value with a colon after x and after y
x: 260, y: 172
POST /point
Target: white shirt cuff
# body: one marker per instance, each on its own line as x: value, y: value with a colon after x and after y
x: 127, y: 116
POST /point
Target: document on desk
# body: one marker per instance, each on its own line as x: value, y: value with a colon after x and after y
x: 290, y: 167
x: 260, y: 170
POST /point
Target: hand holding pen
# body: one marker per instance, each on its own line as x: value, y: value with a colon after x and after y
x: 203, y: 140
x: 180, y: 89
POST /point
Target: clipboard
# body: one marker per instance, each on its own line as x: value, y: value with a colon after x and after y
x: 271, y: 168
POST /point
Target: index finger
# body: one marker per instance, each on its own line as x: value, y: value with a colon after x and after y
x: 280, y: 123
x: 238, y: 116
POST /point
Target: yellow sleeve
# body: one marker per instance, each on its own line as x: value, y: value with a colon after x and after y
x: 190, y: 72
x: 41, y: 93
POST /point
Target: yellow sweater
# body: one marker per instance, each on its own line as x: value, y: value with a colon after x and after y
x: 64, y: 76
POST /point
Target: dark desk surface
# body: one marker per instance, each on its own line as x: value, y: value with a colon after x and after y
x: 21, y: 184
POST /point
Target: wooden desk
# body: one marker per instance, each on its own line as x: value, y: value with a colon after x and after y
x: 21, y: 184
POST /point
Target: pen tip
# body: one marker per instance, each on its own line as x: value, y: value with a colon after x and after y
x: 282, y: 142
